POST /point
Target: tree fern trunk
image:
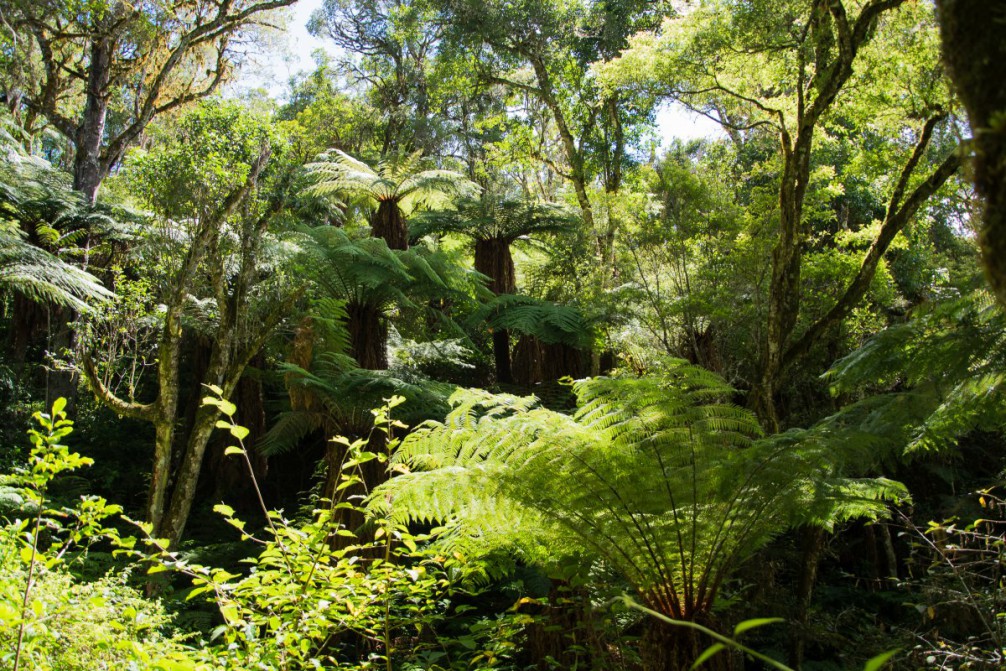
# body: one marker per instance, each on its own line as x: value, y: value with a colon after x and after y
x: 501, y: 355
x: 61, y: 383
x: 368, y: 336
x: 389, y: 225
x: 665, y: 647
x: 494, y: 260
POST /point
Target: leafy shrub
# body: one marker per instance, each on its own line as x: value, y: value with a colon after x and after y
x: 48, y: 618
x: 311, y: 601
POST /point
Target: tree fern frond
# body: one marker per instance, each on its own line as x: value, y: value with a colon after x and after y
x: 658, y: 476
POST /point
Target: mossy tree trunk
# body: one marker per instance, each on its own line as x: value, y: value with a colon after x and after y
x: 173, y: 484
x: 974, y: 50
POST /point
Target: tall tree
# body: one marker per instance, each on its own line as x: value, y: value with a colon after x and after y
x: 975, y: 53
x: 391, y: 48
x: 543, y: 50
x: 100, y: 71
x: 790, y: 68
x: 211, y: 182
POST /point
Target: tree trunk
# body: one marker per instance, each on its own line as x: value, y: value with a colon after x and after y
x: 975, y: 53
x: 812, y: 549
x: 784, y: 287
x: 230, y: 476
x: 61, y: 383
x: 665, y: 647
x: 501, y: 355
x: 389, y: 225
x: 494, y: 260
x: 87, y: 176
x: 368, y: 336
x: 28, y: 325
x: 562, y: 631
x: 184, y: 491
x: 574, y: 157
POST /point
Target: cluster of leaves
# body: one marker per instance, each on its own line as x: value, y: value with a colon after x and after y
x: 48, y: 618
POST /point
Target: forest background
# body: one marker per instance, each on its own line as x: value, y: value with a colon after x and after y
x: 445, y: 354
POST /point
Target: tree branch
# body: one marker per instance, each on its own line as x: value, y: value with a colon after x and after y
x: 142, y: 411
x: 894, y: 222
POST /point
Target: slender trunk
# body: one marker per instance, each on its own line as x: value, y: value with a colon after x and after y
x: 184, y: 491
x: 160, y: 477
x: 812, y: 549
x: 574, y: 157
x: 784, y: 287
x: 900, y: 211
x: 612, y: 182
x: 165, y: 414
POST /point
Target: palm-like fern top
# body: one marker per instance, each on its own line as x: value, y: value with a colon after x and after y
x: 36, y: 197
x: 397, y: 187
x: 398, y: 178
x: 494, y: 218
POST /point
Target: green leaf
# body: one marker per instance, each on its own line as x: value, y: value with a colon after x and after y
x: 233, y: 450
x: 752, y: 624
x: 239, y: 432
x: 878, y: 662
x: 223, y: 509
x: 58, y: 406
x: 707, y: 654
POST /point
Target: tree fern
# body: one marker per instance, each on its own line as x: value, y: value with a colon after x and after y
x: 659, y: 477
x: 35, y: 198
x: 939, y: 376
x: 394, y: 188
x: 549, y: 322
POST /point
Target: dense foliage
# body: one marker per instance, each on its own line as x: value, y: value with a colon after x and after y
x: 456, y: 354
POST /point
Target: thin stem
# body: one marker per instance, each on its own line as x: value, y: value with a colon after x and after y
x: 27, y: 584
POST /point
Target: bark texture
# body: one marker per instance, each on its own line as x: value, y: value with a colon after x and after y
x: 494, y: 260
x: 368, y: 335
x: 974, y: 49
x: 389, y: 225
